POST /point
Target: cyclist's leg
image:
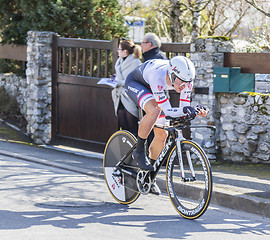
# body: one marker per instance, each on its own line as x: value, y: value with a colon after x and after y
x: 155, y: 148
x: 142, y: 96
x: 158, y: 143
x: 152, y: 111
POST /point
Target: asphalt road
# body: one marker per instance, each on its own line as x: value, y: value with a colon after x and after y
x: 42, y: 202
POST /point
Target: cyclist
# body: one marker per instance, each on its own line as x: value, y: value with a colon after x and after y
x: 146, y: 86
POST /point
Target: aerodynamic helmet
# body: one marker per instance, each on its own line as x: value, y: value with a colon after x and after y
x: 181, y: 67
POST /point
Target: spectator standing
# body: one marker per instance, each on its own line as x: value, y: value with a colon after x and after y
x: 125, y: 109
x: 151, y: 47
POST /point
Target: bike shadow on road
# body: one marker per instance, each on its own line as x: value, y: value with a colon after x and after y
x: 111, y: 214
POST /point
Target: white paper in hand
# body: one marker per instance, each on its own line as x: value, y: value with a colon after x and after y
x: 108, y: 81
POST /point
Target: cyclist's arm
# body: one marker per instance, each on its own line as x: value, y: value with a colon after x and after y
x: 185, y: 96
x: 165, y: 105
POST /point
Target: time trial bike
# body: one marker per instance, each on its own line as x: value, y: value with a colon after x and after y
x: 188, y: 172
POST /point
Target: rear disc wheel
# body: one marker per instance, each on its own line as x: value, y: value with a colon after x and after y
x: 121, y: 185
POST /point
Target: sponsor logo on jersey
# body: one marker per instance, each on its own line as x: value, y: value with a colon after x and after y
x: 132, y: 89
x: 147, y: 97
x: 159, y: 87
x: 140, y: 93
x: 172, y: 110
x: 160, y: 98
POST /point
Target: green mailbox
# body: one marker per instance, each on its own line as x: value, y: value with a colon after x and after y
x: 232, y: 80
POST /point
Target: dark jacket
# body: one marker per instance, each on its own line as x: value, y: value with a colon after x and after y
x: 154, y: 53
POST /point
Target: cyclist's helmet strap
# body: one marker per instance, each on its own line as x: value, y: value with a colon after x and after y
x: 181, y: 67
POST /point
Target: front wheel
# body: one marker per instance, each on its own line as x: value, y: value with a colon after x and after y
x: 190, y: 194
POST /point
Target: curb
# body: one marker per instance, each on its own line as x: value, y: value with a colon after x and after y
x: 76, y: 151
x: 233, y: 200
x: 92, y: 172
x: 241, y: 202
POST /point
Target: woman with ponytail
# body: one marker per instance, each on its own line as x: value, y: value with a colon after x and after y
x: 125, y: 109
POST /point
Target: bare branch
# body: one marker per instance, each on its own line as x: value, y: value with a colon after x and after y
x: 255, y: 5
x: 191, y: 6
x: 230, y: 32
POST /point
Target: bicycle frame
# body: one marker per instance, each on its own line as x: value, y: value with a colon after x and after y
x: 163, y: 156
x: 175, y: 137
x: 161, y: 159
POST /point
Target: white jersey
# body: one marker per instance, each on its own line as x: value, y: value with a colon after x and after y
x: 154, y: 74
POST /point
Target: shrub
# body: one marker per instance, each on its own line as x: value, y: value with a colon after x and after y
x: 10, y: 111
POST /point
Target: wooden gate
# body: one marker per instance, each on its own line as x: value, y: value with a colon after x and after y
x: 83, y: 112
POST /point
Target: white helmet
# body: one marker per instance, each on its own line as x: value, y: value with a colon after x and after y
x: 181, y: 67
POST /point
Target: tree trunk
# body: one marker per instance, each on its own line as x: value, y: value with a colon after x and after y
x: 196, y: 20
x: 175, y: 22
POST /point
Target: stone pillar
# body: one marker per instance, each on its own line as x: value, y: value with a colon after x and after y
x: 206, y: 54
x: 38, y: 94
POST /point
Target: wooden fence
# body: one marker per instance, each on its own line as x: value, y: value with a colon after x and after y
x: 14, y: 52
x: 249, y: 62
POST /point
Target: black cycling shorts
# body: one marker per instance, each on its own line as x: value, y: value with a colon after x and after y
x: 137, y: 89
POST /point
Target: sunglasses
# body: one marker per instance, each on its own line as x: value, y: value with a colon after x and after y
x: 184, y: 83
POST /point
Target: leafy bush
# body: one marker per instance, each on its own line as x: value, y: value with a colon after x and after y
x: 92, y: 19
x: 9, y: 109
x: 12, y: 66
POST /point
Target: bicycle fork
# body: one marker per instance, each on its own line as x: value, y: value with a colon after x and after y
x: 178, y: 140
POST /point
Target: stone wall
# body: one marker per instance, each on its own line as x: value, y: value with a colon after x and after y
x: 34, y: 93
x: 244, y: 126
x: 39, y: 82
x: 242, y: 121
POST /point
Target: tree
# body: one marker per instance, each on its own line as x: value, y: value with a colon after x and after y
x: 187, y: 19
x: 223, y: 18
x: 95, y: 19
x: 196, y: 7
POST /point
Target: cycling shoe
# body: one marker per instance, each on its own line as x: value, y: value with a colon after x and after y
x: 141, y: 160
x: 155, y: 189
